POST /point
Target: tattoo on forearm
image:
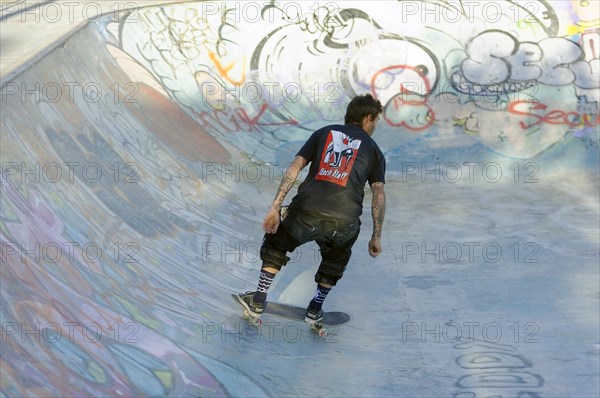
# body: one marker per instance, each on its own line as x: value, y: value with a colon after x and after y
x: 378, y: 208
x: 288, y: 180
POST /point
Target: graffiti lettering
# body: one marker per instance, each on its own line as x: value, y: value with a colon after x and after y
x: 496, y: 56
x: 555, y: 116
x: 237, y: 119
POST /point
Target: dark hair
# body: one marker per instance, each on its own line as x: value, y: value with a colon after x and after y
x: 361, y: 106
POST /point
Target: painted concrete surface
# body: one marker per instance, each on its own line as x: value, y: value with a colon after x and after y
x: 29, y: 28
x: 140, y: 155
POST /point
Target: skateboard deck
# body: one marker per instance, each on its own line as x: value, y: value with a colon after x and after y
x: 334, y: 318
x: 295, y: 313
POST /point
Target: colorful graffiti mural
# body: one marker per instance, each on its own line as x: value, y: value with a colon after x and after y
x: 441, y: 68
x: 106, y: 212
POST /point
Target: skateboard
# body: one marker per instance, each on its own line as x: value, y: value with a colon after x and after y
x: 295, y: 313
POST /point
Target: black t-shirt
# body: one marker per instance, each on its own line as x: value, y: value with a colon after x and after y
x: 342, y: 159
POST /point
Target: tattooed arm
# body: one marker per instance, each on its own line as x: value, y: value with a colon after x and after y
x: 378, y: 212
x: 271, y: 222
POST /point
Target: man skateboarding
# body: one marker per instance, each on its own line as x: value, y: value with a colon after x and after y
x: 328, y: 204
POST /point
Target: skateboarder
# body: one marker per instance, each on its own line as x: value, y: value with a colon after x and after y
x: 328, y: 204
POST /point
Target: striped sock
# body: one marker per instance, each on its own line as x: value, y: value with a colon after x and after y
x: 317, y: 302
x: 264, y: 283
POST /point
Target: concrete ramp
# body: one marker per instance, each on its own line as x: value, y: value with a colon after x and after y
x: 140, y: 155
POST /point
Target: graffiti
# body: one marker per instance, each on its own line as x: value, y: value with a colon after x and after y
x: 495, y: 368
x: 555, y: 116
x: 407, y: 109
x: 191, y: 85
x: 496, y: 57
x: 237, y: 119
x: 145, y: 217
x: 73, y: 329
x: 585, y: 17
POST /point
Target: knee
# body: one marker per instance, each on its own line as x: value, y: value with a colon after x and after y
x: 273, y: 259
x: 330, y: 273
x: 327, y: 280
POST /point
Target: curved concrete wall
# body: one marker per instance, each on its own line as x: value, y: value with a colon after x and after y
x: 515, y: 79
x: 139, y: 156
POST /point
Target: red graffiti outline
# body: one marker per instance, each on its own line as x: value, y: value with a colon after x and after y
x: 402, y: 89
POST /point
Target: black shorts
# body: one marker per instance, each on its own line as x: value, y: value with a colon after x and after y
x: 334, y: 236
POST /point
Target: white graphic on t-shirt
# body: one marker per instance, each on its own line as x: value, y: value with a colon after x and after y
x: 341, y: 146
x: 338, y: 157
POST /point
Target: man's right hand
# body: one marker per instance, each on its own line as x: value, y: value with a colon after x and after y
x: 271, y: 222
x: 375, y: 248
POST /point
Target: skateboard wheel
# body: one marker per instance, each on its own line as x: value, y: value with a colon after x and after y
x: 319, y: 328
x: 253, y: 321
x: 245, y: 314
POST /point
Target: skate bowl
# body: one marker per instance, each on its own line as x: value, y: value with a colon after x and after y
x: 140, y: 154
